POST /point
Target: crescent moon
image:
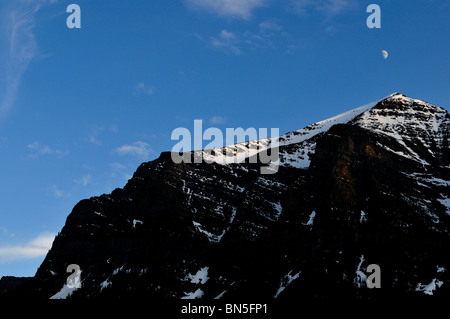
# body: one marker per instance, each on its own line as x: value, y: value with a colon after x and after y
x: 385, y: 54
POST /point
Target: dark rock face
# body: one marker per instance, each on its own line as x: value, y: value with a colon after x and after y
x: 9, y: 283
x: 376, y: 192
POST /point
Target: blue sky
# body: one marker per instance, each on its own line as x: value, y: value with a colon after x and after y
x: 80, y: 109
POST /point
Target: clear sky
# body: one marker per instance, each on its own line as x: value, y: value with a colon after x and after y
x: 80, y: 109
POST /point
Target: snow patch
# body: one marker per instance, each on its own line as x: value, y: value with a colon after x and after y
x: 311, y: 219
x: 432, y: 286
x: 67, y: 291
x: 136, y: 221
x: 363, y: 217
x: 99, y: 214
x: 278, y: 208
x: 361, y: 278
x: 219, y: 296
x: 116, y: 271
x: 200, y: 277
x: 64, y: 293
x: 212, y: 237
x: 286, y: 281
x: 446, y: 203
x: 105, y: 284
x: 194, y: 295
x: 440, y: 269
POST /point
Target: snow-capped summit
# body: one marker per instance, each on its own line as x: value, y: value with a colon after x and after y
x: 405, y: 119
x: 422, y: 129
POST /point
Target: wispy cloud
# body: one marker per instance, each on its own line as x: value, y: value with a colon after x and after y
x: 333, y: 7
x: 227, y: 42
x: 244, y: 8
x: 85, y: 180
x: 56, y: 191
x: 18, y: 46
x: 235, y: 42
x: 140, y: 149
x: 117, y: 167
x: 269, y: 26
x: 5, y: 232
x: 216, y: 120
x: 327, y: 7
x: 37, y: 247
x: 94, y: 133
x: 145, y: 89
x: 40, y: 149
x: 93, y: 138
x: 120, y: 170
x: 235, y: 8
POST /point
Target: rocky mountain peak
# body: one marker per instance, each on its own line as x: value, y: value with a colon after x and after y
x: 368, y: 186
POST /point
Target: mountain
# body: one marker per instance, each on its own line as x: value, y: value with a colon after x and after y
x: 8, y: 283
x: 368, y: 187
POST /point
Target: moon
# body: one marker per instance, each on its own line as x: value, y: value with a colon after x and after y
x: 385, y: 54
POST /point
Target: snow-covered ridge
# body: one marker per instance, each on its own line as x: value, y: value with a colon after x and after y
x: 323, y: 126
x: 414, y: 118
x: 237, y: 153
